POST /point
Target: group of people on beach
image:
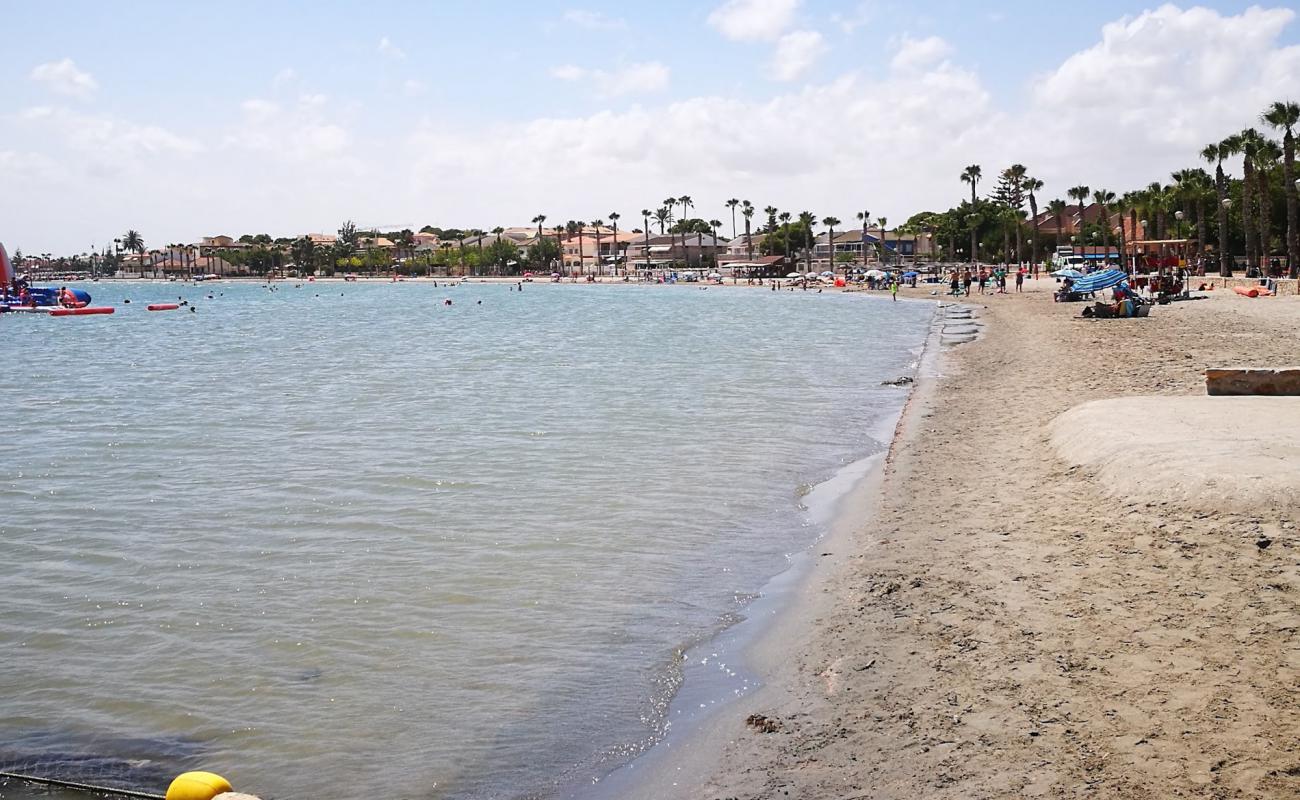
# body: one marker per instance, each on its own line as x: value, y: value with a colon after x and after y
x: 992, y: 280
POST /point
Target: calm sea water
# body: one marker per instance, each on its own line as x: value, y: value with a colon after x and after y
x: 342, y: 540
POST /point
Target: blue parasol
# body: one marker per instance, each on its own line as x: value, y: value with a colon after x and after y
x: 1097, y: 281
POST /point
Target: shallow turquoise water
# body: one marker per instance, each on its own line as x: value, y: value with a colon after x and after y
x: 342, y: 540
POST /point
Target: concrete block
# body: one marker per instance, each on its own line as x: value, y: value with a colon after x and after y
x: 1274, y: 381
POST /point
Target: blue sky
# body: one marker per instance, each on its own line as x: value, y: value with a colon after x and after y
x: 185, y: 119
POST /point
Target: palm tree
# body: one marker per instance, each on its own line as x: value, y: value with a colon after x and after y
x: 785, y: 217
x: 1104, y: 200
x: 883, y: 222
x: 134, y: 241
x: 613, y: 219
x: 1032, y: 186
x: 808, y: 219
x: 595, y: 225
x: 663, y: 215
x: 1016, y: 177
x: 830, y: 223
x: 671, y: 203
x: 1285, y: 116
x: 1238, y: 145
x: 1079, y: 194
x: 865, y: 218
x: 732, y: 203
x: 971, y: 175
x: 645, y: 218
x: 715, y: 224
x: 771, y: 212
x: 747, y: 211
x: 1267, y: 156
x: 1057, y: 209
x: 686, y: 203
x: 1214, y: 154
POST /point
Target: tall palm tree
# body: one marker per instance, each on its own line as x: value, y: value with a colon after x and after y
x: 731, y: 204
x: 538, y: 220
x: 670, y: 203
x: 1285, y: 116
x: 883, y: 222
x: 1032, y: 187
x: 1104, y: 200
x: 1237, y: 145
x: 600, y: 262
x: 133, y: 241
x: 1080, y: 195
x: 1016, y: 176
x: 747, y: 211
x: 830, y: 223
x: 664, y: 216
x: 1214, y: 154
x: 686, y: 203
x: 645, y: 217
x: 785, y: 217
x: 715, y: 224
x: 865, y: 218
x: 971, y: 175
x: 808, y: 220
x: 614, y: 217
x: 498, y: 230
x: 1057, y: 209
x: 1267, y: 156
x: 771, y: 212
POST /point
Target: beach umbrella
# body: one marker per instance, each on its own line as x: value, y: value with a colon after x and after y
x: 795, y: 275
x: 811, y: 275
x: 911, y: 273
x: 828, y: 274
x: 1067, y: 273
x: 1099, y: 280
x: 876, y: 273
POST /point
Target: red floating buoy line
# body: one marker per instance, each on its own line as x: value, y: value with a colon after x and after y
x: 163, y: 306
x: 79, y: 312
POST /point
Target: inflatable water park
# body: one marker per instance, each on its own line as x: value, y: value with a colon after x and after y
x: 17, y: 295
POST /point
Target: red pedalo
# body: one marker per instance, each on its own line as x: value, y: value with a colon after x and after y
x: 79, y: 312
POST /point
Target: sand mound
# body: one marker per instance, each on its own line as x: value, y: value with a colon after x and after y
x: 1203, y: 453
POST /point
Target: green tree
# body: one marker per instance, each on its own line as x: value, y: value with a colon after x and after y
x: 971, y: 175
x: 830, y: 223
x: 1285, y: 116
x: 732, y: 203
x: 747, y: 211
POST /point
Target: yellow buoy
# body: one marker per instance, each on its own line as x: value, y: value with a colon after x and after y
x: 197, y: 786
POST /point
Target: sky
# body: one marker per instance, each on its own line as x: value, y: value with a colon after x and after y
x: 183, y: 120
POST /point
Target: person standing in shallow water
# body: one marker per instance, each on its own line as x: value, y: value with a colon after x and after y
x: 893, y: 289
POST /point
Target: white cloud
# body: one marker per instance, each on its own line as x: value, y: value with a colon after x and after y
x: 568, y: 72
x: 65, y: 78
x: 284, y: 77
x: 753, y: 20
x: 593, y: 20
x: 919, y: 53
x: 107, y: 139
x: 387, y: 48
x: 298, y: 135
x: 795, y: 53
x: 859, y: 17
x: 1229, y: 63
x: 643, y: 78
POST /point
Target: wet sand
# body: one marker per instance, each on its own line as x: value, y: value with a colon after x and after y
x: 996, y: 625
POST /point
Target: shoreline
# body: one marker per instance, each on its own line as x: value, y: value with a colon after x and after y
x: 790, y: 602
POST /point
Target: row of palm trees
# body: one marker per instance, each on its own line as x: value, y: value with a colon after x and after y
x: 1146, y: 212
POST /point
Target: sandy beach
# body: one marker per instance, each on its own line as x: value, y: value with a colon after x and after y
x: 996, y: 625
